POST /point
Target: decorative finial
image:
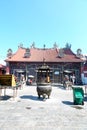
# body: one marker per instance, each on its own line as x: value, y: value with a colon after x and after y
x: 44, y: 46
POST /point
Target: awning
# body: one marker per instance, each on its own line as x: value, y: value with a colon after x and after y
x: 30, y: 76
x: 20, y: 71
x: 67, y: 71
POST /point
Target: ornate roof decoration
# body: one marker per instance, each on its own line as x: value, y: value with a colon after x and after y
x: 79, y: 53
x: 33, y: 45
x: 27, y: 53
x: 44, y: 46
x: 61, y: 53
x: 9, y: 53
x: 68, y: 46
x: 55, y: 45
x: 20, y: 45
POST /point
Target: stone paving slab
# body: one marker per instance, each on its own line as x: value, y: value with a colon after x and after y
x: 27, y: 112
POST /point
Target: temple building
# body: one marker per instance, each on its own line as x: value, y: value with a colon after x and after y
x: 2, y: 69
x: 62, y: 61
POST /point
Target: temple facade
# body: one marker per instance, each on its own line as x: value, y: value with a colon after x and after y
x: 62, y: 62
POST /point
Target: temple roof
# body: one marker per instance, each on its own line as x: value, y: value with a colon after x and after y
x: 47, y: 55
x: 2, y: 66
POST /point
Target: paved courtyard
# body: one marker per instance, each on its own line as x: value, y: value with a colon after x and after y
x: 27, y: 112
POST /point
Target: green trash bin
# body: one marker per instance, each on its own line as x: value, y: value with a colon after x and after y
x: 78, y: 96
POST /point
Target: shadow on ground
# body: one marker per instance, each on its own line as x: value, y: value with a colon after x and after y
x: 85, y: 98
x: 72, y: 105
x: 67, y: 102
x: 6, y: 97
x: 35, y: 98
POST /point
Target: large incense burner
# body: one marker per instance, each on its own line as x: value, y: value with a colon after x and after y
x: 44, y: 87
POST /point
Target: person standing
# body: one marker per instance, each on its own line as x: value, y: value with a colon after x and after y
x: 73, y: 79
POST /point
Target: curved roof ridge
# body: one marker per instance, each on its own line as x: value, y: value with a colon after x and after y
x: 43, y: 48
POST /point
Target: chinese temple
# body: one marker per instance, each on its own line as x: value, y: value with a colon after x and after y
x: 62, y: 61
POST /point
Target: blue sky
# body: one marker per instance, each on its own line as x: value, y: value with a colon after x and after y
x: 43, y: 22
